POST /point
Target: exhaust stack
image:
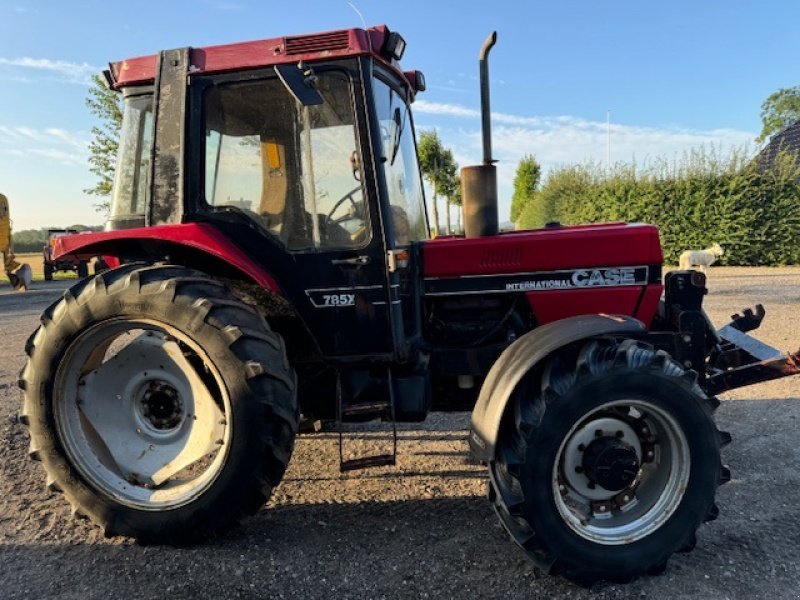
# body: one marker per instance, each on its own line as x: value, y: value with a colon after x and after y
x: 479, y: 182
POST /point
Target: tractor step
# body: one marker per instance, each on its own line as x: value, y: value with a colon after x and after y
x: 365, y: 462
x: 375, y: 409
x: 382, y: 410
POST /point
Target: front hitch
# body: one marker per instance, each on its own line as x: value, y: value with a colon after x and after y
x: 741, y: 360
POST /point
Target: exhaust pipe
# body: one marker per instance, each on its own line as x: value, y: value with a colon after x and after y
x: 479, y: 182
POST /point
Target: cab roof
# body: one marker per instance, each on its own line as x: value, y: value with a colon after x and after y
x: 342, y: 43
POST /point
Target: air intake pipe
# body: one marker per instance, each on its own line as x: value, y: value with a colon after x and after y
x: 479, y: 182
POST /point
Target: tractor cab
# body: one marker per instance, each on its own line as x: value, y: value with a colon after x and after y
x: 299, y: 150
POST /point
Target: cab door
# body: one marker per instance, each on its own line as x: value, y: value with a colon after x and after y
x: 294, y: 184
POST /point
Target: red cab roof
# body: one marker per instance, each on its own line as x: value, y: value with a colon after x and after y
x: 264, y: 53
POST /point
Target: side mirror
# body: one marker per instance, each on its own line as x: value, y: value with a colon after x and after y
x: 300, y: 84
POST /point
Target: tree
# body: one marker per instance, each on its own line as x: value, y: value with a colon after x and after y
x: 449, y: 184
x: 429, y: 151
x: 780, y: 109
x: 456, y: 200
x: 526, y: 181
x: 106, y: 105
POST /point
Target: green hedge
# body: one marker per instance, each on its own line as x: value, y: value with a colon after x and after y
x: 701, y: 199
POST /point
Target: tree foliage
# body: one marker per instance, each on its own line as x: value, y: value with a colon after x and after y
x: 701, y: 199
x: 440, y: 169
x: 780, y: 109
x: 106, y: 105
x: 526, y: 181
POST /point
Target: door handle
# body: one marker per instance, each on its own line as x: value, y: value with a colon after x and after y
x: 357, y: 261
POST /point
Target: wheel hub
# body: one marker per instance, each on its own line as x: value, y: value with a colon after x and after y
x: 162, y: 406
x: 611, y: 463
x: 584, y: 476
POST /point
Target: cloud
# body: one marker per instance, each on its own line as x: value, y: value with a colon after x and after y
x: 51, y: 144
x: 563, y: 139
x: 64, y: 71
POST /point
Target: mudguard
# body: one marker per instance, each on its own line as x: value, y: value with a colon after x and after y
x: 519, y: 358
x: 202, y: 238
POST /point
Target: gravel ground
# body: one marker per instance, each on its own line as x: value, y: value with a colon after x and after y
x: 422, y: 529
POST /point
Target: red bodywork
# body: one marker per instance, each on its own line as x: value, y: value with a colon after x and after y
x: 455, y: 258
x: 343, y: 43
x: 561, y: 248
x: 197, y: 236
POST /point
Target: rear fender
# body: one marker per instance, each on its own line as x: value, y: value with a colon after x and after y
x: 198, y: 245
x: 523, y: 355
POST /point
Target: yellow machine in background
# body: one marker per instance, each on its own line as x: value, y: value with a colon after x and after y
x: 19, y: 274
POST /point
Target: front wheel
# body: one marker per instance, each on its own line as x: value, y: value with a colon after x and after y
x: 608, y: 462
x: 162, y: 406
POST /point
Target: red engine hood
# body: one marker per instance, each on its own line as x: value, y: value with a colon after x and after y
x: 551, y: 249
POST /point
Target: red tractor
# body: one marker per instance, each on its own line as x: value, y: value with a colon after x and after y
x: 272, y: 263
x: 62, y: 263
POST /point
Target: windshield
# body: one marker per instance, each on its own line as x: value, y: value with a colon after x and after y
x: 132, y: 172
x: 400, y: 165
x: 294, y: 169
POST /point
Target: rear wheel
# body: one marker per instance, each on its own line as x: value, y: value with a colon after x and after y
x: 608, y: 462
x: 161, y: 405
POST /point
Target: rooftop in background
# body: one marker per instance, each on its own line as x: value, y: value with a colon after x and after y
x: 787, y: 140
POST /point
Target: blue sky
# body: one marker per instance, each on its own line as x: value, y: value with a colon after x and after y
x: 675, y: 75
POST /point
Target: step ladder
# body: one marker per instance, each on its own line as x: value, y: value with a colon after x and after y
x: 384, y: 410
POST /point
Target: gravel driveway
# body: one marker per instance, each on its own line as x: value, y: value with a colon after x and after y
x: 424, y: 528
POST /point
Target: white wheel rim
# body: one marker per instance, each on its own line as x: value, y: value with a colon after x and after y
x: 139, y: 422
x: 614, y: 517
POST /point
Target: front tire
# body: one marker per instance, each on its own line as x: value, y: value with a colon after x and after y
x: 169, y: 435
x: 608, y: 462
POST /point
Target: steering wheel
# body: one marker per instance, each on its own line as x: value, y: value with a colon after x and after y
x: 342, y: 200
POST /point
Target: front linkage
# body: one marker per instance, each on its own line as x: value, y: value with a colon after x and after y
x: 723, y: 359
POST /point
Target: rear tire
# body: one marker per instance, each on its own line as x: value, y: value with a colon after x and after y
x: 607, y: 463
x: 240, y: 394
x: 48, y: 272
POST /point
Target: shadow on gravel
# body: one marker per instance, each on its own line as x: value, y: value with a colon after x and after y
x: 447, y: 473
